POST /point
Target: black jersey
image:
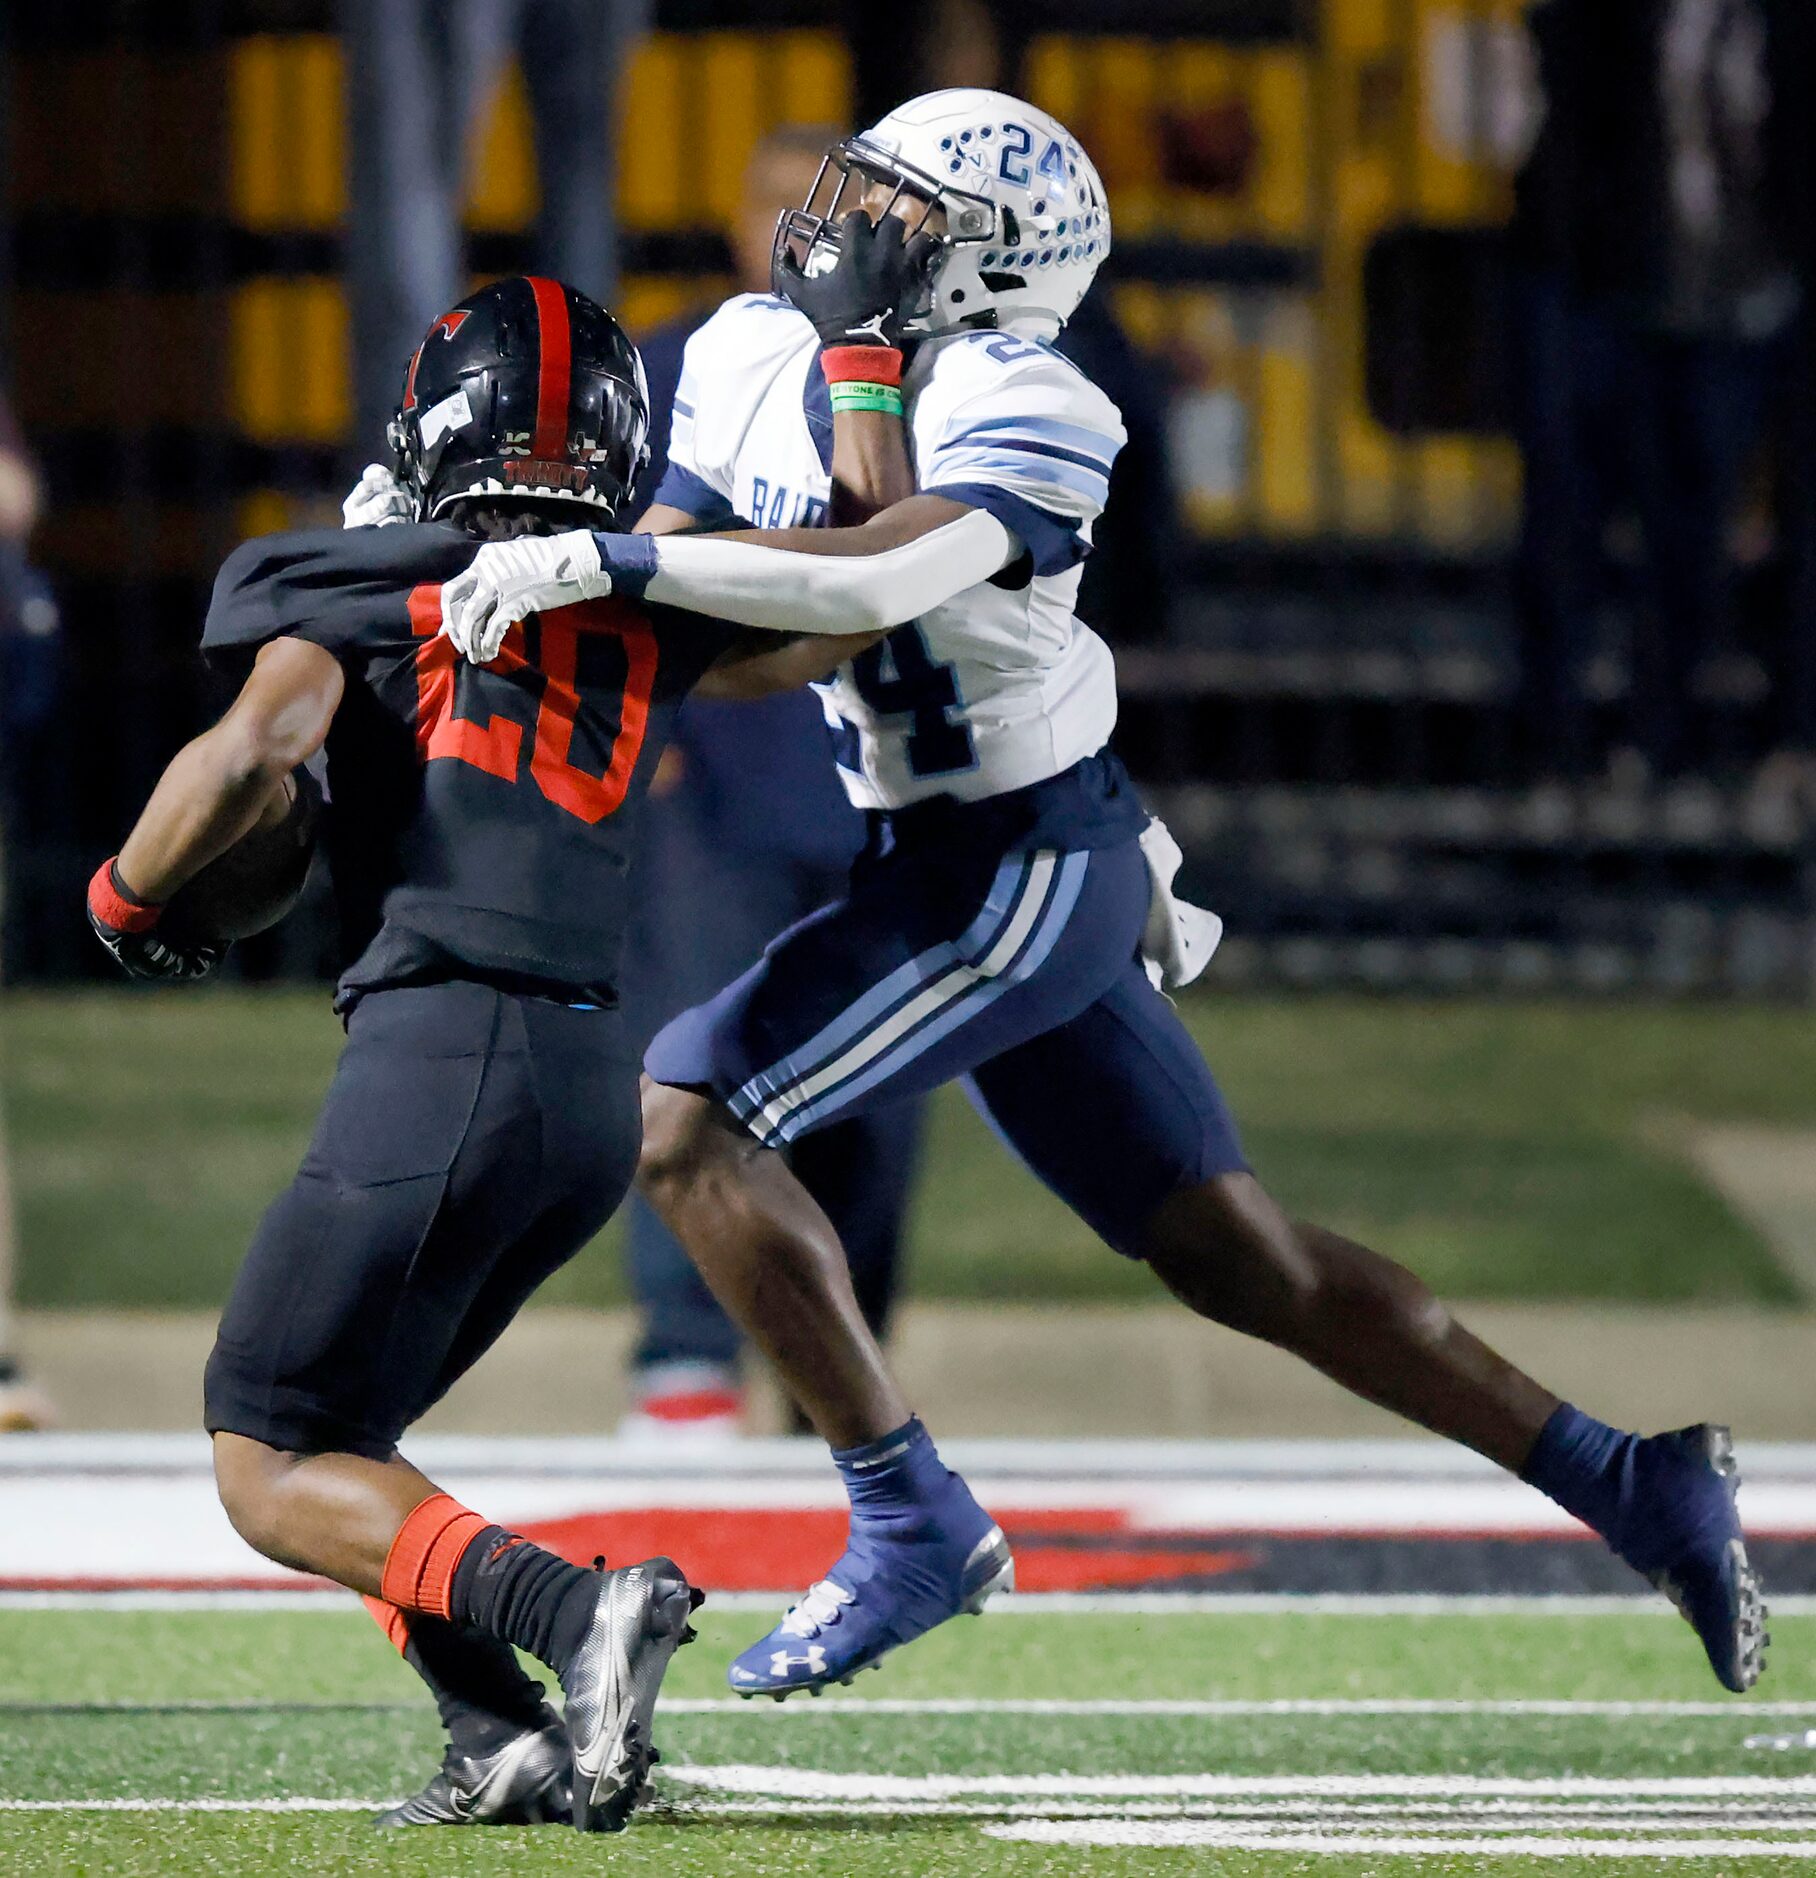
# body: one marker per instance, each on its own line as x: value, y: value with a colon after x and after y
x: 481, y: 820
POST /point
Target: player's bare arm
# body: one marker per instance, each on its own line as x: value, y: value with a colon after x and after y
x: 758, y: 666
x: 860, y: 306
x: 218, y: 788
x: 235, y: 775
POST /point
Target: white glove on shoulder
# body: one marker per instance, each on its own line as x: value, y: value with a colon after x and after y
x: 378, y: 499
x: 509, y: 580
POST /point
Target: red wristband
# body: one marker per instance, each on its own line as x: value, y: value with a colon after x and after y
x: 110, y: 903
x: 865, y: 365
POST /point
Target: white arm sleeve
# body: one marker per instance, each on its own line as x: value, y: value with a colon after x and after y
x: 791, y: 592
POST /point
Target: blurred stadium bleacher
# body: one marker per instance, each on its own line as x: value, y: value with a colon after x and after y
x: 1310, y: 199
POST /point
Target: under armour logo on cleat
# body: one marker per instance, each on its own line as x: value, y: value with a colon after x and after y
x: 814, y: 1662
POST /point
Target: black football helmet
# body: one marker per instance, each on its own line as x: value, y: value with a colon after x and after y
x: 526, y: 389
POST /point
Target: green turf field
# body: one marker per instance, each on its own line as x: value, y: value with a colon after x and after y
x: 234, y: 1708
x: 1505, y: 1150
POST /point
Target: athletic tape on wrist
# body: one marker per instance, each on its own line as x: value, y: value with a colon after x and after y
x: 870, y: 365
x: 630, y: 560
x: 113, y: 905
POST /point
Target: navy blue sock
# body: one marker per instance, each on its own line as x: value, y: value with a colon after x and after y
x: 529, y: 1597
x: 1587, y: 1468
x: 898, y: 1475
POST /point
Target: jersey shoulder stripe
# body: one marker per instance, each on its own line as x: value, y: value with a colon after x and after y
x: 1054, y: 542
x: 1075, y: 442
x: 681, y: 489
x: 1009, y: 416
x: 1032, y: 464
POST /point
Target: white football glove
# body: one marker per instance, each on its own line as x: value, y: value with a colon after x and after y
x: 509, y: 580
x: 378, y: 499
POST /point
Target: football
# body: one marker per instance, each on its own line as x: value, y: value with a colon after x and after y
x: 257, y: 881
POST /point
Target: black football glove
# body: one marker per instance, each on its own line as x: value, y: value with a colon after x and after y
x: 877, y: 282
x: 127, y: 927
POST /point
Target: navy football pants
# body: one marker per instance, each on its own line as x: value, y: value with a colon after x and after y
x: 1018, y: 973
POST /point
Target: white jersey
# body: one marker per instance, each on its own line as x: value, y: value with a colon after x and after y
x: 1001, y: 687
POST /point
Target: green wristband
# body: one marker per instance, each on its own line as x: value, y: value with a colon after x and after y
x: 852, y: 396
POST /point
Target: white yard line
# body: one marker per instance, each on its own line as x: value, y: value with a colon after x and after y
x: 809, y: 1783
x: 1212, y: 1708
x: 1229, y: 1838
x: 333, y: 1601
x: 1663, y: 1819
x: 594, y: 1458
x: 154, y: 1805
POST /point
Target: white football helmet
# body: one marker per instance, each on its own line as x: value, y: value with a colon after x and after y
x: 1027, y: 223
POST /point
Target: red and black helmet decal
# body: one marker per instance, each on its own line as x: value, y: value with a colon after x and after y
x: 527, y: 388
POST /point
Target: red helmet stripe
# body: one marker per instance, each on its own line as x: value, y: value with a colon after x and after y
x: 554, y: 381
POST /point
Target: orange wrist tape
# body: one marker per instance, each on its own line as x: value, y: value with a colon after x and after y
x: 865, y: 365
x: 112, y: 908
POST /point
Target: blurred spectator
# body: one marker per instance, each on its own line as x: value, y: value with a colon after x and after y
x: 19, y: 494
x: 1134, y: 564
x: 30, y: 666
x: 28, y: 611
x: 749, y: 832
x: 419, y: 73
x: 27, y: 638
x: 1657, y: 288
x: 1794, y: 156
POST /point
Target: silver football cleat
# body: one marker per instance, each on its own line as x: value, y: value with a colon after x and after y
x: 525, y: 1783
x: 639, y: 1622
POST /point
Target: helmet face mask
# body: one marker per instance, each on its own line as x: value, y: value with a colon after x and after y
x: 810, y: 236
x: 525, y: 391
x: 1026, y: 225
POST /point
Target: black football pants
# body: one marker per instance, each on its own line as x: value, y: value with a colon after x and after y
x: 471, y: 1143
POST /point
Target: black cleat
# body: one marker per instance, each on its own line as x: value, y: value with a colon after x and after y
x: 639, y: 1622
x: 525, y: 1783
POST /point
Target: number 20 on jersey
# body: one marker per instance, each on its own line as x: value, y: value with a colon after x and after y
x: 495, y: 743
